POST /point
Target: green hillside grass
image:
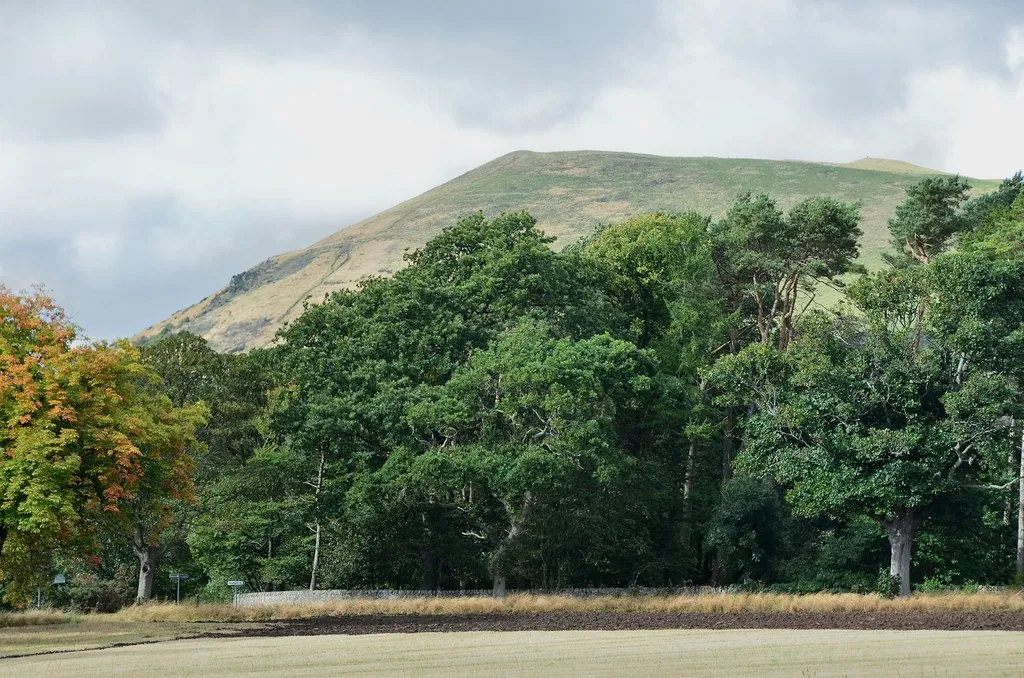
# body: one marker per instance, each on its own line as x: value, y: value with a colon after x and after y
x: 886, y: 165
x: 570, y: 194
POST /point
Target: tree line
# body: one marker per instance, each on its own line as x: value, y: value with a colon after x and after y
x: 668, y: 402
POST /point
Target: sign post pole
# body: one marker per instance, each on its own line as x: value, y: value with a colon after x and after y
x: 234, y: 584
x: 178, y: 577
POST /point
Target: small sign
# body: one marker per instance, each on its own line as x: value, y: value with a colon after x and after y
x: 178, y: 577
x: 60, y: 579
x: 235, y: 582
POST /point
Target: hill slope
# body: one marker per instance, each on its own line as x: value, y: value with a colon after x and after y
x: 886, y: 165
x: 569, y: 193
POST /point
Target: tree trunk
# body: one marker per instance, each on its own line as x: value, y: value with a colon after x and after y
x: 691, y: 462
x: 498, y: 559
x: 1011, y: 464
x: 918, y: 319
x: 900, y: 530
x: 147, y: 554
x: 3, y: 538
x: 727, y: 443
x: 316, y: 517
x: 1020, y: 509
x: 431, y: 564
x: 147, y: 572
x: 316, y: 556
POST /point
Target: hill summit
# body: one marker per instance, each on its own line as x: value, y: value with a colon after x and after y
x: 569, y: 193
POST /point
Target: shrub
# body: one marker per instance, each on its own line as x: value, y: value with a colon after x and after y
x: 90, y: 594
x: 887, y: 585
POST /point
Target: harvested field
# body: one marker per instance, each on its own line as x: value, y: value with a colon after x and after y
x: 592, y: 653
x: 101, y: 632
x: 157, y: 626
x: 644, y: 621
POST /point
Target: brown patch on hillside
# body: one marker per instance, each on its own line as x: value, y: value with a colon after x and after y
x: 606, y: 209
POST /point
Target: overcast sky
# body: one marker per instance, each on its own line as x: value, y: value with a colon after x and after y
x: 150, y: 150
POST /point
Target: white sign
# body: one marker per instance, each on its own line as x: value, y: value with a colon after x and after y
x: 235, y: 582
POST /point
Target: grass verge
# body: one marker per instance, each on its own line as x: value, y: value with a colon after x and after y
x: 36, y: 618
x: 526, y: 604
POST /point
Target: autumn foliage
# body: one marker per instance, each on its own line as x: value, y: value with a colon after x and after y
x: 84, y: 431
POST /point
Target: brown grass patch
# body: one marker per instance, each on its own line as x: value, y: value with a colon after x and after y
x: 36, y: 618
x: 571, y: 171
x: 607, y: 209
x: 526, y: 603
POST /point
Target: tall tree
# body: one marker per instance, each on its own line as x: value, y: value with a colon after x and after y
x: 978, y: 312
x: 926, y: 221
x: 236, y: 388
x: 772, y: 259
x: 857, y: 417
x: 353, y: 364
x: 166, y: 438
x: 251, y: 522
x: 85, y: 436
x: 529, y: 420
x: 660, y: 267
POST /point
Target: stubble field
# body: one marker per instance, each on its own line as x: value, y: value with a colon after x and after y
x: 593, y: 653
x: 713, y: 635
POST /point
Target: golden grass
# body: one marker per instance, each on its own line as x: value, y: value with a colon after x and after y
x: 36, y: 618
x: 887, y: 165
x: 529, y: 604
x: 526, y: 604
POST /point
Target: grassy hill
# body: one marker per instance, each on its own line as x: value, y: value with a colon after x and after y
x: 886, y: 165
x: 569, y: 193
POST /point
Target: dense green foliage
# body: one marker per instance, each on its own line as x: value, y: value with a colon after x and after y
x: 651, y: 406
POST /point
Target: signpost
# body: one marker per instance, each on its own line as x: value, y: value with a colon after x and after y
x: 178, y: 577
x: 59, y: 579
x: 234, y: 584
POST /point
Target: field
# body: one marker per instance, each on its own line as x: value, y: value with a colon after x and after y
x: 592, y: 653
x: 708, y: 634
x: 570, y: 194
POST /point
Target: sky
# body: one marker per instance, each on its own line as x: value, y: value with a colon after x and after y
x: 151, y: 149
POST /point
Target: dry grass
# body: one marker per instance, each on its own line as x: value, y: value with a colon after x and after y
x: 527, y: 603
x: 524, y: 603
x: 36, y: 618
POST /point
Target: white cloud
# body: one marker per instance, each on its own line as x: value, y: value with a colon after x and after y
x: 974, y: 120
x: 162, y: 159
x: 1015, y: 48
x: 96, y: 254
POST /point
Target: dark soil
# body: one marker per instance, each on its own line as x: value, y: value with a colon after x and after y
x: 618, y: 621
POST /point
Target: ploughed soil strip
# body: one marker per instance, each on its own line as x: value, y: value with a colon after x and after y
x: 635, y: 621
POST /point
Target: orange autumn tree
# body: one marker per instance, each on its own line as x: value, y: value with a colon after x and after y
x: 84, y: 435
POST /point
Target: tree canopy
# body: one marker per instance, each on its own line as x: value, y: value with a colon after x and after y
x: 661, y: 403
